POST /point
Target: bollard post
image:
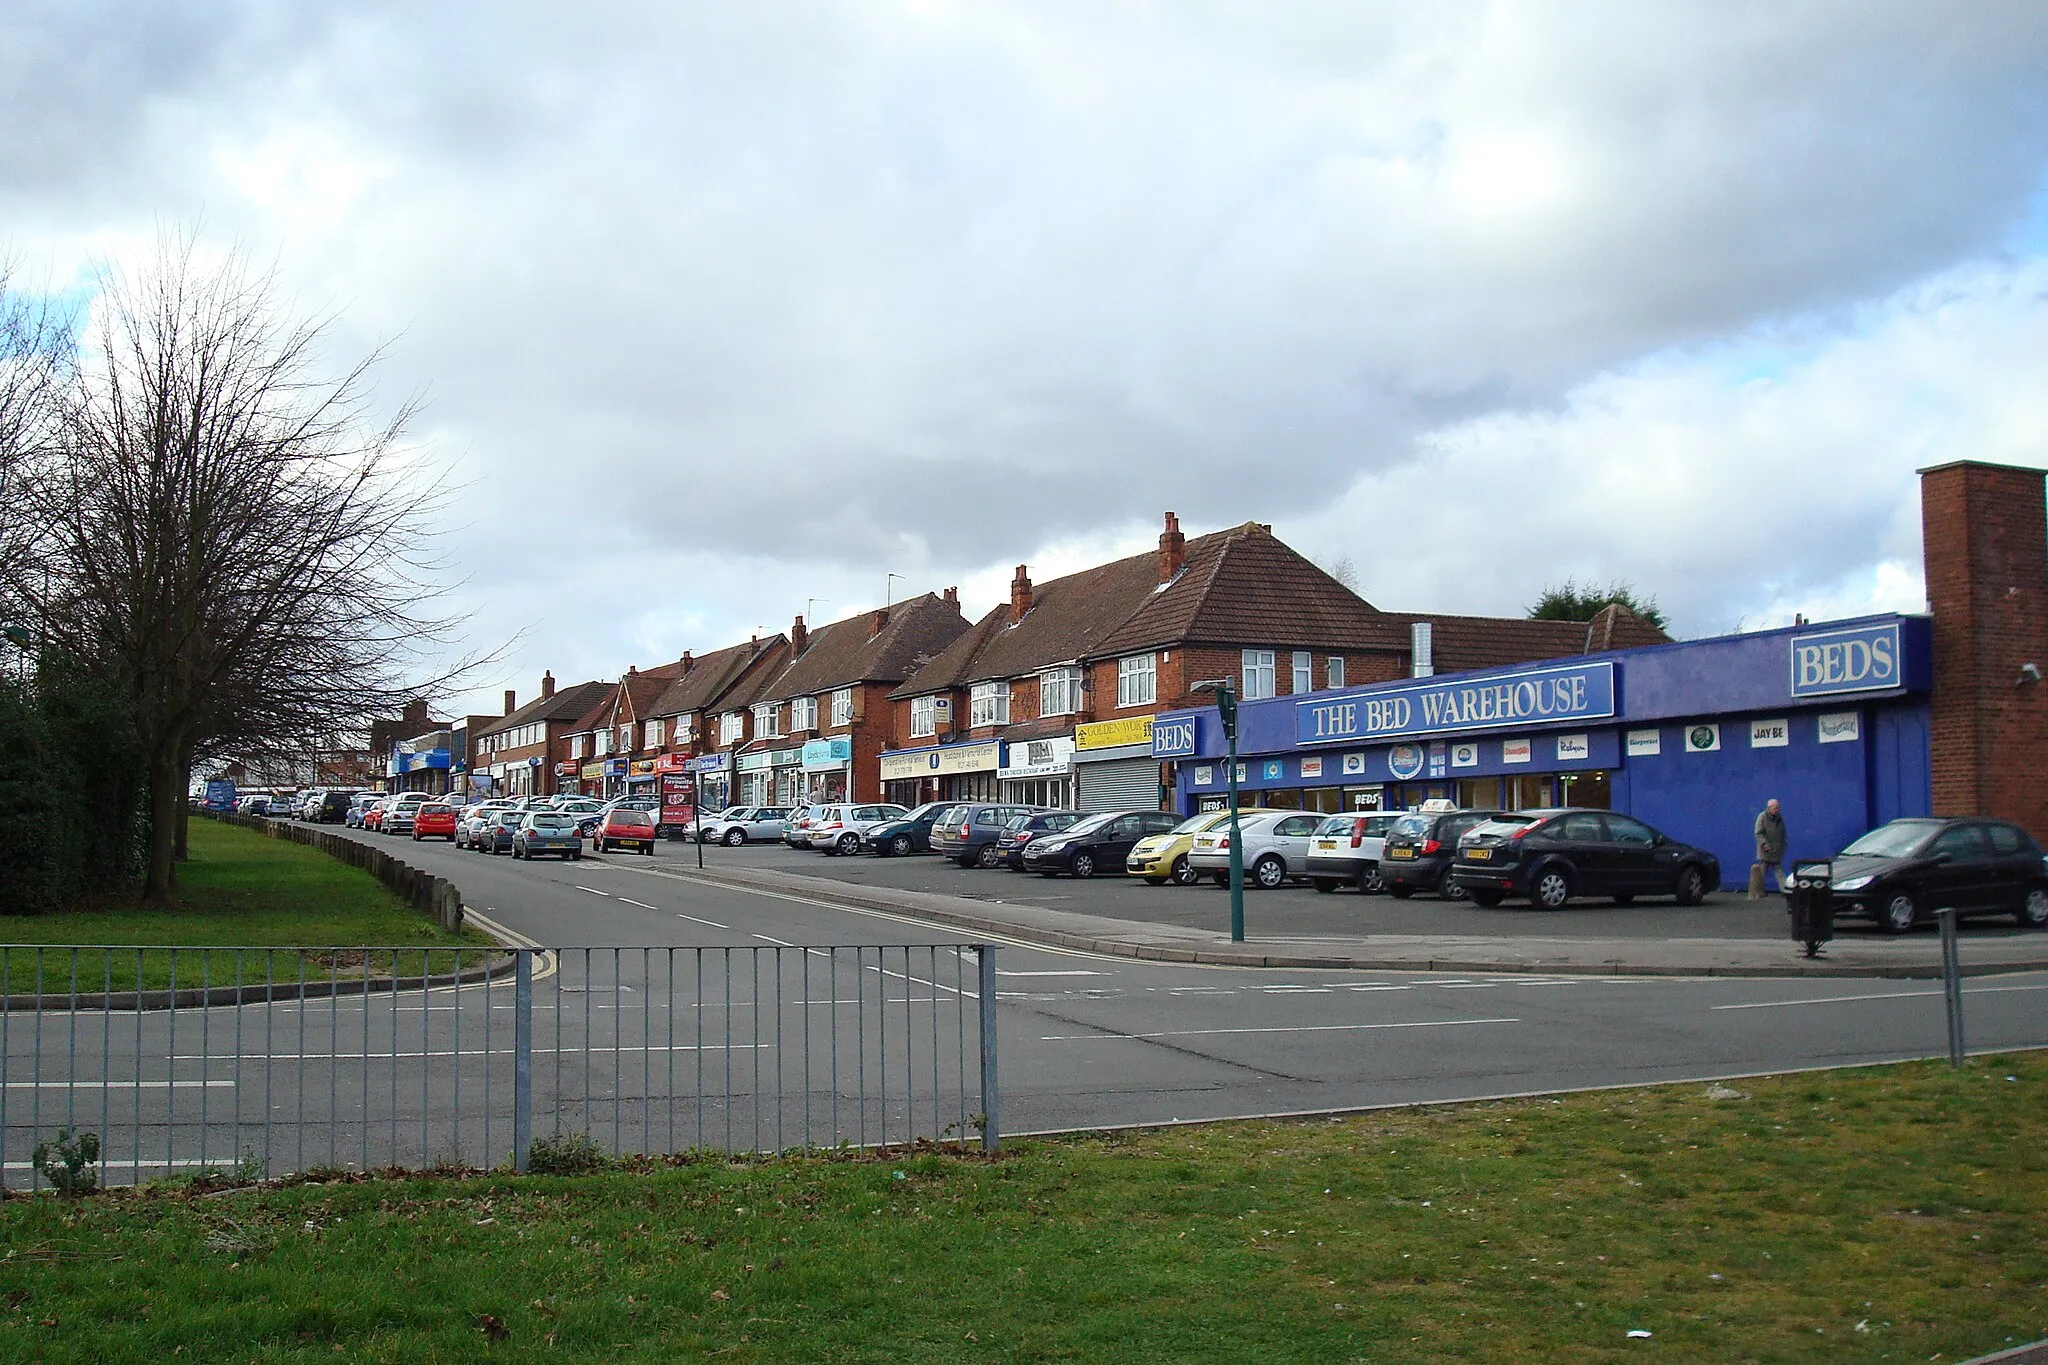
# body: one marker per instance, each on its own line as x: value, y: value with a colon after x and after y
x: 985, y: 956
x: 1951, y: 984
x: 522, y: 1057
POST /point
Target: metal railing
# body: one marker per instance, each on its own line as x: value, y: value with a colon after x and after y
x: 276, y: 1060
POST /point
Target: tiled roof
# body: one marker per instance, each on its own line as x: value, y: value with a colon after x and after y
x: 844, y: 652
x: 567, y: 704
x: 599, y: 716
x: 703, y: 688
x: 1458, y: 643
x: 639, y: 691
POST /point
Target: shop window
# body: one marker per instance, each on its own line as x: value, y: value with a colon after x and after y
x: 1336, y: 670
x: 1259, y: 680
x: 924, y: 717
x: 803, y: 715
x: 1304, y: 670
x: 842, y: 706
x: 1059, y: 692
x: 991, y: 704
x: 1137, y: 680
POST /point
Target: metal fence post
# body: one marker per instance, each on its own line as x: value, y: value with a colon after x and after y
x: 522, y: 1057
x: 985, y: 955
x: 1952, y: 985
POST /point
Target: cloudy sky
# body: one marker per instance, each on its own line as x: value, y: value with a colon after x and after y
x: 720, y: 308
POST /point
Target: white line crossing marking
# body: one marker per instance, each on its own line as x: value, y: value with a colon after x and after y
x: 117, y: 1084
x: 1888, y: 995
x: 694, y: 920
x: 1299, y: 1028
x: 642, y: 904
x: 1001, y: 972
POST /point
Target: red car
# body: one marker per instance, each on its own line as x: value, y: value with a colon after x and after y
x: 373, y: 818
x: 434, y: 821
x: 622, y: 828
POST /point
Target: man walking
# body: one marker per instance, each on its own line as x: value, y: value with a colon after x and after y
x: 1770, y: 849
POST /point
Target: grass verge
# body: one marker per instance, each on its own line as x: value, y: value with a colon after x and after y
x: 1884, y: 1213
x: 239, y: 889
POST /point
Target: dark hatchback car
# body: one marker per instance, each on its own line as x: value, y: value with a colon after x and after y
x: 1900, y: 873
x: 1419, y: 849
x: 908, y: 834
x: 1022, y: 829
x: 1095, y: 842
x: 969, y: 832
x: 1551, y: 856
x: 333, y: 808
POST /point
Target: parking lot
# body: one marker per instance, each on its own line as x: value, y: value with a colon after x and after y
x: 1297, y: 910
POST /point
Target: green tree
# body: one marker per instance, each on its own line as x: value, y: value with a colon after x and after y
x: 1571, y: 602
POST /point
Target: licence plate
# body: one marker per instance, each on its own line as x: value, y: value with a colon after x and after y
x: 1400, y: 853
x: 1326, y: 845
x: 1479, y: 855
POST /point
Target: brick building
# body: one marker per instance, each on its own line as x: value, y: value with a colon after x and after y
x: 521, y: 753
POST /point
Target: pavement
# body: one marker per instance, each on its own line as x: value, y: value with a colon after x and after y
x: 1167, y: 937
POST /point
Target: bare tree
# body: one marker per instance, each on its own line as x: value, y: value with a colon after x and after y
x: 35, y: 356
x: 234, y: 536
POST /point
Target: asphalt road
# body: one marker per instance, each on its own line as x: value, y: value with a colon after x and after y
x: 675, y: 1013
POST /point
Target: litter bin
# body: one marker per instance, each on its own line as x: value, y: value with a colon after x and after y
x: 1812, y: 905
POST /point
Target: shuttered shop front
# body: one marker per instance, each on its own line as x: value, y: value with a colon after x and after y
x: 1113, y: 765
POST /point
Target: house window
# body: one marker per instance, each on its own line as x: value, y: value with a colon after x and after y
x: 731, y: 726
x: 604, y: 742
x: 1303, y: 681
x: 842, y: 706
x: 1258, y: 675
x: 924, y: 717
x: 766, y: 721
x: 576, y: 746
x: 1137, y: 681
x: 626, y: 738
x: 1336, y: 670
x: 653, y: 732
x: 803, y: 715
x: 1059, y: 692
x: 991, y: 704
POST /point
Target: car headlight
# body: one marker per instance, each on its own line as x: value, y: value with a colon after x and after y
x: 1855, y: 883
x: 1050, y: 846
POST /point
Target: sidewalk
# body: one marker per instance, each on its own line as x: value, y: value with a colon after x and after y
x: 1915, y: 955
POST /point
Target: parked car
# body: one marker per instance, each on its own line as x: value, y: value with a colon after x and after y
x: 968, y: 832
x: 399, y: 812
x: 1346, y: 851
x: 840, y: 827
x: 1419, y: 849
x: 252, y: 804
x: 283, y: 805
x: 373, y: 814
x: 544, y: 831
x: 309, y: 800
x: 624, y: 828
x: 796, y: 826
x: 359, y: 806
x: 1275, y: 852
x: 742, y: 824
x: 910, y: 833
x: 470, y: 824
x: 1551, y: 856
x: 434, y: 820
x: 1095, y: 842
x: 1022, y: 829
x: 1900, y: 872
x: 333, y: 808
x: 495, y: 835
x: 1162, y: 858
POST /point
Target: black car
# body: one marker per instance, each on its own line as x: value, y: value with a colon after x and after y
x: 1022, y: 829
x: 1419, y: 849
x: 1551, y: 856
x: 1095, y: 842
x: 909, y: 834
x: 1901, y: 872
x: 333, y: 808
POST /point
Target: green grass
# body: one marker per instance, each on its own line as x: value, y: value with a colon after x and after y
x: 1887, y: 1213
x: 241, y: 889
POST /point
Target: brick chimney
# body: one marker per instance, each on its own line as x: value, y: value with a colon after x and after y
x: 511, y: 701
x: 877, y: 619
x: 547, y: 684
x: 951, y: 597
x: 686, y: 662
x: 1984, y: 533
x: 1173, y: 549
x: 799, y: 636
x: 1020, y: 595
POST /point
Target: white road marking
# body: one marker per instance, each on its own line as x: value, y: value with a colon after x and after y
x: 1300, y: 1028
x: 595, y: 892
x: 1001, y: 972
x: 642, y: 904
x: 694, y: 920
x: 778, y: 942
x: 85, y: 1082
x: 1888, y: 995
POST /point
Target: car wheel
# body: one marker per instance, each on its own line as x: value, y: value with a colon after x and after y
x: 1155, y: 881
x: 1184, y: 873
x: 1487, y: 899
x: 1551, y: 889
x: 1325, y: 885
x: 1692, y: 886
x: 1220, y: 878
x: 1370, y: 883
x: 900, y: 846
x: 1624, y: 899
x: 848, y: 845
x: 1400, y: 891
x: 1451, y: 889
x: 1899, y: 913
x: 2033, y: 911
x: 735, y: 837
x: 1084, y: 865
x: 1270, y: 873
x: 989, y: 856
x: 965, y: 862
x: 577, y: 856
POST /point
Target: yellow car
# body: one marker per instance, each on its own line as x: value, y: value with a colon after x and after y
x: 1163, y: 858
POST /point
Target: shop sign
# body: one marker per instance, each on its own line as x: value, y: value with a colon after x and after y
x: 828, y: 753
x: 593, y: 772
x: 1272, y: 770
x: 565, y: 770
x: 641, y: 767
x: 786, y: 758
x: 1174, y: 737
x: 1404, y: 761
x: 944, y: 760
x: 1354, y: 765
x: 1702, y: 739
x: 1839, y: 727
x: 535, y: 761
x: 1043, y: 757
x: 1645, y: 743
x: 1465, y: 755
x: 755, y: 762
x: 1113, y: 734
x: 1437, y: 760
x: 708, y: 763
x: 677, y: 800
x: 1310, y: 767
x: 1853, y: 659
x: 1573, y: 749
x: 1533, y: 696
x: 1770, y: 734
x: 672, y: 763
x: 1514, y: 751
x: 1205, y: 774
x: 615, y: 767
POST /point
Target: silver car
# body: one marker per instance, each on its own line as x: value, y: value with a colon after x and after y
x: 840, y: 826
x: 1276, y: 848
x: 743, y: 824
x: 398, y: 815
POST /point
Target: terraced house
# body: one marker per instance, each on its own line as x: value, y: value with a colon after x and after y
x: 521, y: 752
x: 709, y: 700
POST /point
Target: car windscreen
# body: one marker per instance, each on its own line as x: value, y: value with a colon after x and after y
x: 1503, y: 826
x: 1089, y: 824
x: 1337, y: 824
x: 1899, y: 839
x: 1412, y: 827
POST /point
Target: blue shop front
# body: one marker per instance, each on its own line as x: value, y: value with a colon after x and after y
x: 1692, y: 737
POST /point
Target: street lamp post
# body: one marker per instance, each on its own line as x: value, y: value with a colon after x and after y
x: 1226, y: 711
